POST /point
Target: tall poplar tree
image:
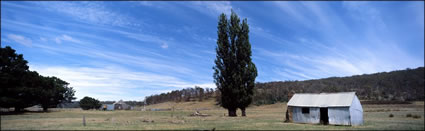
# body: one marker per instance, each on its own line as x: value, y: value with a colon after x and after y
x: 247, y: 70
x: 235, y: 72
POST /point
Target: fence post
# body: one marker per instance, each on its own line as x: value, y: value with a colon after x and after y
x: 172, y: 112
x: 84, y: 120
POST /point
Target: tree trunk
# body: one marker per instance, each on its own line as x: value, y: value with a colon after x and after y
x: 232, y: 112
x: 287, y: 116
x: 18, y: 109
x: 243, y: 112
x: 45, y: 109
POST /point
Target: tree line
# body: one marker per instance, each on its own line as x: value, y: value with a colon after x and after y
x: 183, y: 95
x: 400, y: 85
x: 21, y: 88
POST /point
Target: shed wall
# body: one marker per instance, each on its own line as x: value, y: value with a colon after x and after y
x: 312, y: 117
x: 356, y: 112
x: 339, y: 115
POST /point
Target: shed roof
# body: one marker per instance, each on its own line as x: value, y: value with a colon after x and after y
x: 340, y: 99
x: 120, y: 102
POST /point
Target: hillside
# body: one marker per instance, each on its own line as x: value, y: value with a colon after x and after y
x: 401, y: 85
x: 190, y: 105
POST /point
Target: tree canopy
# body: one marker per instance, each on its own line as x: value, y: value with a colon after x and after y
x: 234, y: 71
x: 21, y: 88
x: 187, y: 94
x: 89, y: 103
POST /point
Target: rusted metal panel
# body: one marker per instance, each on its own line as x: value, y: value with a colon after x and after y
x: 289, y: 111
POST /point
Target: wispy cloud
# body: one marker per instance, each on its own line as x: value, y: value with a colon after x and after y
x: 43, y: 39
x: 122, y: 58
x: 334, y: 52
x: 164, y: 46
x: 66, y: 34
x: 361, y: 10
x: 149, y: 59
x: 108, y: 53
x: 292, y: 8
x: 20, y: 39
x: 146, y: 3
x: 212, y: 8
x: 301, y: 76
x: 93, y: 12
x: 114, y: 80
x: 4, y: 40
x: 61, y: 38
x: 146, y: 38
x: 416, y: 8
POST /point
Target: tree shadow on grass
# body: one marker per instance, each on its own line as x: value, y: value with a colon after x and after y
x: 23, y: 112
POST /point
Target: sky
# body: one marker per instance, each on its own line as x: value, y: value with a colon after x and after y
x: 129, y: 50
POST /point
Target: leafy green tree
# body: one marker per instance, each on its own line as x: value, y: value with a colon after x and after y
x: 234, y: 71
x: 32, y: 84
x: 247, y: 72
x: 21, y: 88
x: 54, y: 91
x: 13, y: 70
x: 89, y: 103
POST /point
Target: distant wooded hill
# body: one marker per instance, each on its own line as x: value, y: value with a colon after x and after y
x: 401, y: 85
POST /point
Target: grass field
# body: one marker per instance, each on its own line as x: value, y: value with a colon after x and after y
x: 376, y: 117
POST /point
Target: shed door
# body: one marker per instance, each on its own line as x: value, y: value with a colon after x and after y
x: 324, y: 118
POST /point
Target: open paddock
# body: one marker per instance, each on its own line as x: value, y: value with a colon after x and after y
x: 376, y: 117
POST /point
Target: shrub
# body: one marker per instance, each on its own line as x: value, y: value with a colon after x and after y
x: 391, y: 115
x: 89, y: 103
x: 416, y: 116
x: 409, y: 115
x: 380, y: 110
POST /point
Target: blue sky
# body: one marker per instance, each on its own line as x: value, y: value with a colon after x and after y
x: 129, y: 50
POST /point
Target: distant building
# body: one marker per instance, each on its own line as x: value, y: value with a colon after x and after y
x: 73, y: 104
x: 107, y: 107
x: 121, y: 105
x: 342, y: 108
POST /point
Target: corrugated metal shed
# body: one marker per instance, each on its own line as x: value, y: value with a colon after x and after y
x: 343, y: 108
x: 341, y: 99
x: 121, y: 105
x: 110, y: 107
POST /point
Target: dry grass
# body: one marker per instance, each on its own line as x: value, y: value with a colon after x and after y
x: 193, y: 105
x: 259, y: 117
